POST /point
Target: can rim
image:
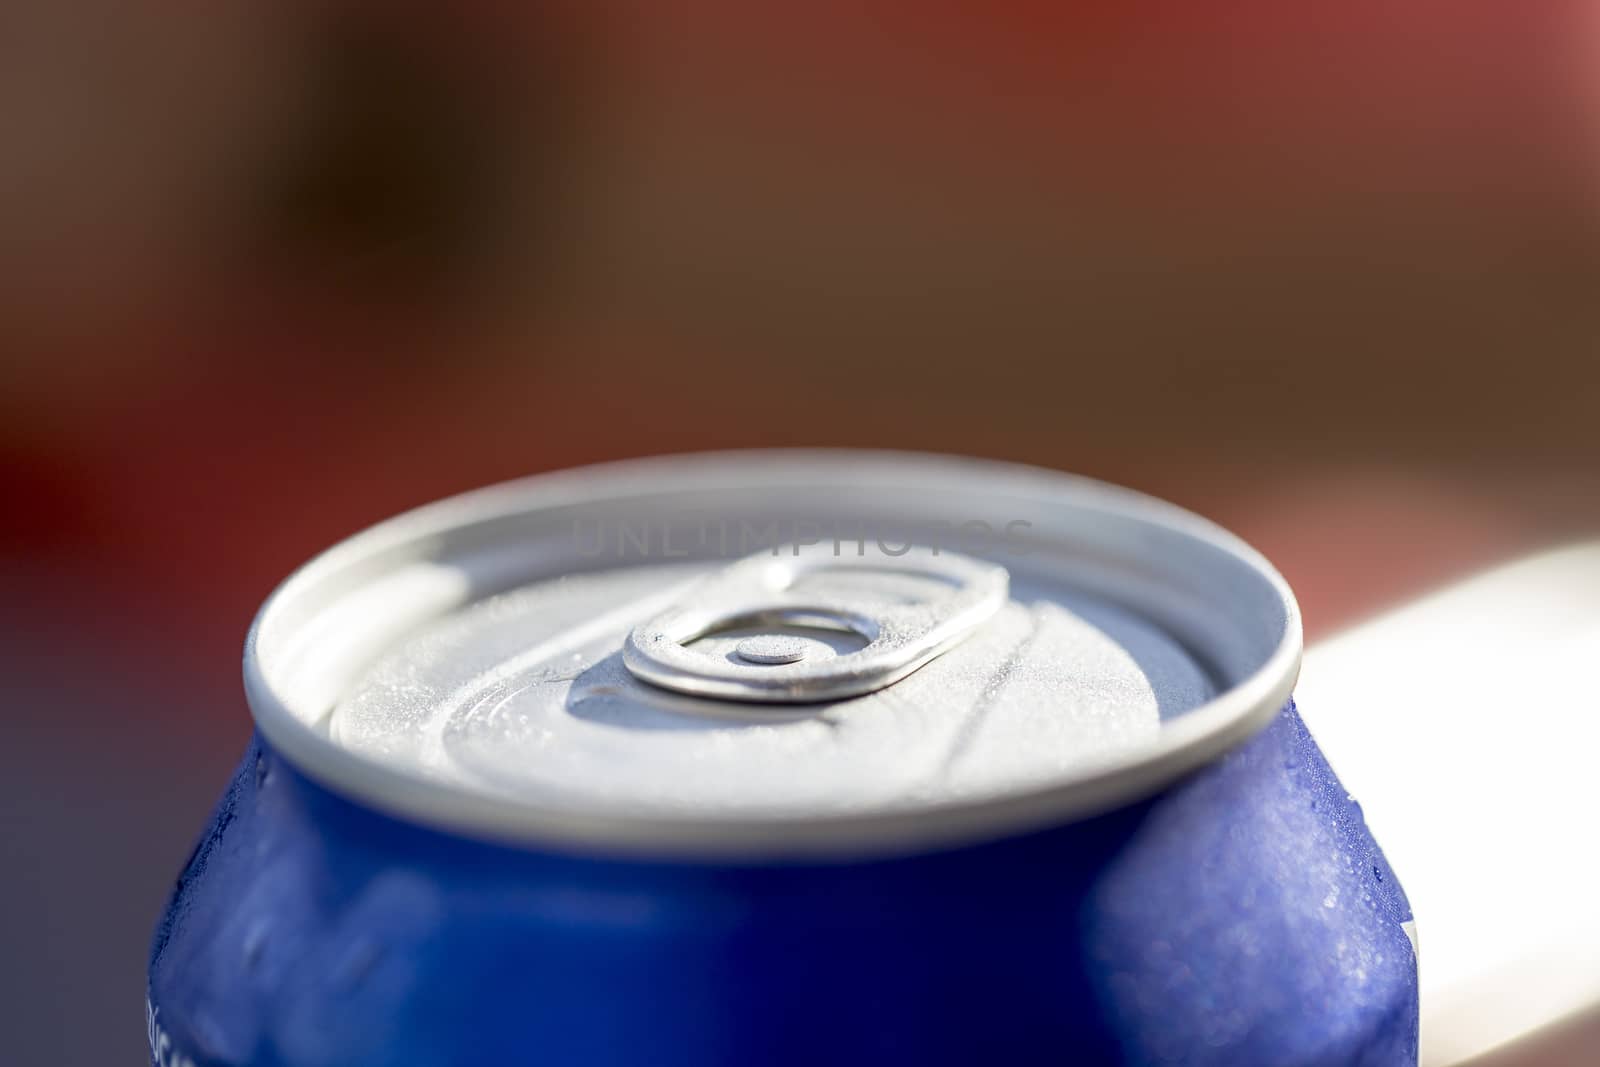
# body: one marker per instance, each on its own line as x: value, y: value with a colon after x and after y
x: 1184, y: 744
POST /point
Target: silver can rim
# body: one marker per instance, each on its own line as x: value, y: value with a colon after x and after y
x: 1198, y: 737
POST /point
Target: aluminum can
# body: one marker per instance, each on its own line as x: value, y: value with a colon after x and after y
x: 783, y: 757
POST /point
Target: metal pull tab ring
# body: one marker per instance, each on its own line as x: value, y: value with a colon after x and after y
x: 757, y: 592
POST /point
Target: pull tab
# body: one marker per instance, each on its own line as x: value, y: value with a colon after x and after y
x: 757, y: 592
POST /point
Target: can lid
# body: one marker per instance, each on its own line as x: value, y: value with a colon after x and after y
x: 772, y: 654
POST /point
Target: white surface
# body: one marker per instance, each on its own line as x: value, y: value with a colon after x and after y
x: 1468, y: 726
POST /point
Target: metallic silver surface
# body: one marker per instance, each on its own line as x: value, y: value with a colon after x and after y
x: 760, y: 591
x: 461, y: 665
x: 525, y: 696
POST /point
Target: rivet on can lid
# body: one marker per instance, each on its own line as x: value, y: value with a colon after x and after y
x: 771, y: 648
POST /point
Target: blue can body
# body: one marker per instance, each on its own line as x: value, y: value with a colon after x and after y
x: 1243, y: 916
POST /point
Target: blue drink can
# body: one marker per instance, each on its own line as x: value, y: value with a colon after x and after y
x: 783, y: 757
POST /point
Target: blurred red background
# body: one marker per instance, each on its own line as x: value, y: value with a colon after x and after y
x: 270, y: 273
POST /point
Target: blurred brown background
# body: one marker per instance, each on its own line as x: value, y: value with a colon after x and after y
x: 270, y: 272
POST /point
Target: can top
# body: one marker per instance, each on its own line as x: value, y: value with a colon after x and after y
x: 772, y: 654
